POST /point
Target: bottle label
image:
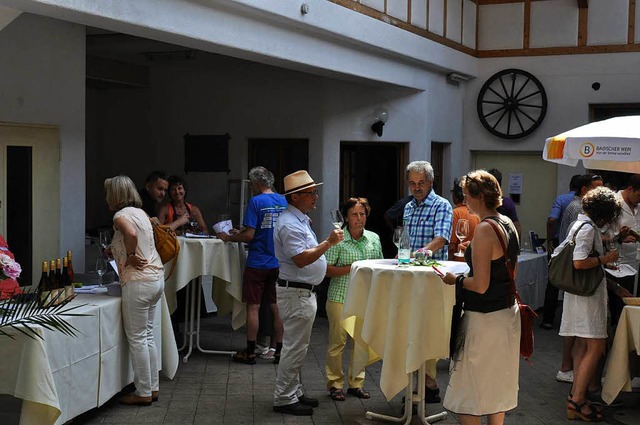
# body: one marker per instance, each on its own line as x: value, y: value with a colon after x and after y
x: 404, y: 256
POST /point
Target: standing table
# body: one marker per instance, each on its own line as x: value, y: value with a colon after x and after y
x: 405, y: 312
x: 203, y: 257
x: 617, y: 370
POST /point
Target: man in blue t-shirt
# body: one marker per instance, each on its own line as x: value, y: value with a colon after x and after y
x: 261, y: 271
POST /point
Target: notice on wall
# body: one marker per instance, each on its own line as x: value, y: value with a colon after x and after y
x: 515, y: 183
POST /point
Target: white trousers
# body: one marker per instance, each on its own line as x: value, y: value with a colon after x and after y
x: 297, y: 309
x: 139, y: 301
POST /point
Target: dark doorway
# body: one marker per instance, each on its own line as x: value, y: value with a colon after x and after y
x: 280, y: 156
x: 19, y: 209
x: 374, y: 171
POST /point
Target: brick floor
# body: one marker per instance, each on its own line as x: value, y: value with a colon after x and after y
x: 211, y: 389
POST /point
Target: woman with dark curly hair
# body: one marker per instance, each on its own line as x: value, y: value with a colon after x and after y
x: 585, y: 318
x: 180, y: 215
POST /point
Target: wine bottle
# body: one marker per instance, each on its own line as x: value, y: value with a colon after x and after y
x: 55, y: 297
x: 404, y: 250
x: 66, y: 281
x: 70, y: 268
x: 635, y: 234
x: 44, y: 287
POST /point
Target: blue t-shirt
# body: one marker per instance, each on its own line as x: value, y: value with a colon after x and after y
x: 262, y: 214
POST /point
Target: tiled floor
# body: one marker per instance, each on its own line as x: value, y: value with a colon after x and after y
x: 211, y: 389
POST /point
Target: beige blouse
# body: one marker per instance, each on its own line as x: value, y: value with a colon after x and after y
x: 154, y: 270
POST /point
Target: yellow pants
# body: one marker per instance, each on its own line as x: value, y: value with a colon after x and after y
x: 337, y: 343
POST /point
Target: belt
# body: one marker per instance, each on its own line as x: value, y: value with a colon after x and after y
x: 300, y: 285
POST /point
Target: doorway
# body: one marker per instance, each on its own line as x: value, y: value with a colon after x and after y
x: 30, y: 195
x: 280, y: 156
x: 374, y: 171
x: 539, y: 180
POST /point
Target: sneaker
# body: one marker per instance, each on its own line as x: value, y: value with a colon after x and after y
x: 308, y: 401
x: 269, y: 354
x: 565, y: 376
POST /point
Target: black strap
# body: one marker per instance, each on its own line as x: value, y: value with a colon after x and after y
x: 507, y: 258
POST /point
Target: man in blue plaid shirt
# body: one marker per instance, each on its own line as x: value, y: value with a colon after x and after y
x: 428, y: 216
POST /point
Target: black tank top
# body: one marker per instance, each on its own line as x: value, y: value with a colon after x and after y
x: 499, y: 294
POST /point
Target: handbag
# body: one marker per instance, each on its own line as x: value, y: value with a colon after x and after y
x: 526, y: 313
x: 564, y: 276
x: 167, y: 244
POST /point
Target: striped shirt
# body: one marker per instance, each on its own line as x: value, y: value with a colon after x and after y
x: 430, y: 219
x: 344, y: 254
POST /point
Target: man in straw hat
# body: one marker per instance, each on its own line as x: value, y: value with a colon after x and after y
x: 302, y: 268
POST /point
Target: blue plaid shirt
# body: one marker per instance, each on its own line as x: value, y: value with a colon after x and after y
x: 428, y: 220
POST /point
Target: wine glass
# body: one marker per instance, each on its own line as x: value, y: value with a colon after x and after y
x: 101, y: 269
x: 611, y: 244
x: 336, y: 219
x: 105, y: 239
x: 462, y: 232
x: 397, y: 234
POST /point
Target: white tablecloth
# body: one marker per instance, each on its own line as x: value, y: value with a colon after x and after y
x: 617, y: 372
x: 532, y: 278
x: 61, y: 377
x: 210, y: 257
x: 405, y: 314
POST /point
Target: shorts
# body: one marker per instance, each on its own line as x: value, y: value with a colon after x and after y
x: 259, y: 282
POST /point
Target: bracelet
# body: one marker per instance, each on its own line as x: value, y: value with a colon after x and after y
x: 460, y: 280
x: 131, y: 255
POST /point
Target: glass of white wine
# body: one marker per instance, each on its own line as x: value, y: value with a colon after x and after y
x: 337, y: 219
x: 397, y: 234
x: 462, y: 232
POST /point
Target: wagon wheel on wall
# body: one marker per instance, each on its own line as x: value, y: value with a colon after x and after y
x: 512, y: 104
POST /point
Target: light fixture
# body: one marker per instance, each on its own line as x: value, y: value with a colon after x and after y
x: 455, y: 78
x: 380, y: 118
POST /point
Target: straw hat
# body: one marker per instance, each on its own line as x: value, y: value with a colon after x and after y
x: 300, y: 180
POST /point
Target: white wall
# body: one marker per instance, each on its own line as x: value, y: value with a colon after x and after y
x: 567, y: 81
x: 216, y: 94
x: 42, y: 69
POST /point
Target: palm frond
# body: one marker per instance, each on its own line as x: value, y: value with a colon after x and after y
x: 28, y: 315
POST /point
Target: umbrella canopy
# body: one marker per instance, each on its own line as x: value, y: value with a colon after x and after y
x: 612, y: 144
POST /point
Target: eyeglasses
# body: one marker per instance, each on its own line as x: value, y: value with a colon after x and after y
x: 311, y: 192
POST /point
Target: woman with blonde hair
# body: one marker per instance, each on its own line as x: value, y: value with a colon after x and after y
x: 142, y: 279
x: 485, y: 364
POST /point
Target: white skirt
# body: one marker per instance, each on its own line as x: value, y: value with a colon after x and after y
x: 585, y: 317
x: 484, y: 380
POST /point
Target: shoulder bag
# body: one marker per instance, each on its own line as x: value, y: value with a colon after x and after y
x: 526, y: 313
x: 167, y: 244
x: 564, y: 276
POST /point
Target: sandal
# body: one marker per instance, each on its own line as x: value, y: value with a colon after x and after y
x: 336, y: 394
x: 359, y: 392
x: 574, y: 411
x: 244, y: 357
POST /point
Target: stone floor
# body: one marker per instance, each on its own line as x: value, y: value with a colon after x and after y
x: 211, y: 389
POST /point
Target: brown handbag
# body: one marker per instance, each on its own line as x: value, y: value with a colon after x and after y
x: 167, y: 243
x: 526, y: 313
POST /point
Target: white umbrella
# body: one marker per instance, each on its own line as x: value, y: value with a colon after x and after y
x: 612, y: 144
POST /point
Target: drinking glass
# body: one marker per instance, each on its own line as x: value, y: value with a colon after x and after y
x: 105, y: 239
x: 462, y: 232
x: 397, y: 234
x: 611, y: 244
x: 336, y: 219
x: 101, y: 269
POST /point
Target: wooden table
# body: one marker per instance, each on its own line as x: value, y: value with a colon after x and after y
x: 60, y: 377
x: 627, y: 340
x: 405, y: 313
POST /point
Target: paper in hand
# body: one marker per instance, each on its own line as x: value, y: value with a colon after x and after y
x: 223, y: 227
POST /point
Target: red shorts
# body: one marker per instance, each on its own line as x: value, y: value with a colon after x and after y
x: 259, y: 282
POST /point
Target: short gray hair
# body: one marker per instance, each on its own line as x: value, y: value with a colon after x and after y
x: 420, y: 167
x: 261, y: 176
